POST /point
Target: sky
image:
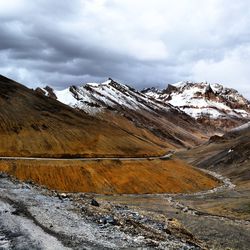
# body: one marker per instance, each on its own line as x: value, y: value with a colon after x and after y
x: 138, y: 42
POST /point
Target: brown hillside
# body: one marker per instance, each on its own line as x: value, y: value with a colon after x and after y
x: 34, y: 125
x: 112, y: 176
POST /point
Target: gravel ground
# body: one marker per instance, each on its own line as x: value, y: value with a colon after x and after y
x: 32, y: 217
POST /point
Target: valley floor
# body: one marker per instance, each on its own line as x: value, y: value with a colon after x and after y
x: 221, y: 220
x: 32, y: 217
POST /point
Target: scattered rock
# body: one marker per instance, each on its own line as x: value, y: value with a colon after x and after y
x: 95, y: 203
x: 30, y: 182
x: 3, y: 175
x: 111, y: 220
x: 64, y: 196
x: 16, y: 212
x: 185, y: 209
x: 108, y: 220
x: 103, y: 221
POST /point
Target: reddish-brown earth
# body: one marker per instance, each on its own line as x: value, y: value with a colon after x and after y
x: 112, y: 176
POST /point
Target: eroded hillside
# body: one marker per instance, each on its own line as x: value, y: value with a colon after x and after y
x: 112, y: 176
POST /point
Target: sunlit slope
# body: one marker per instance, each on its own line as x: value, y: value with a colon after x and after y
x: 112, y: 176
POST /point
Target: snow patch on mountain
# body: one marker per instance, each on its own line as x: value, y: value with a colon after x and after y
x: 93, y: 98
x: 210, y: 104
x: 203, y: 99
x: 66, y: 96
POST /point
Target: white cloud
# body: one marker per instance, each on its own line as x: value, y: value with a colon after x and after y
x: 232, y: 70
x: 144, y: 41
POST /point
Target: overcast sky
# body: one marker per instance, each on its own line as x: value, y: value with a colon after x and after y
x: 139, y: 42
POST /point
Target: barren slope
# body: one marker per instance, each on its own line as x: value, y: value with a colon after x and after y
x: 34, y: 125
x: 228, y: 155
x: 112, y: 176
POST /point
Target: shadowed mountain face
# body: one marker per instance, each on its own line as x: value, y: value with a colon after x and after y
x: 126, y: 107
x: 229, y: 155
x: 34, y: 125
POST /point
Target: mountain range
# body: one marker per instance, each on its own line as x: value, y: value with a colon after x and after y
x: 125, y: 107
x: 34, y: 126
x: 212, y: 105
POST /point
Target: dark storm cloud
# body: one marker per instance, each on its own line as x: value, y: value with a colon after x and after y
x: 141, y: 42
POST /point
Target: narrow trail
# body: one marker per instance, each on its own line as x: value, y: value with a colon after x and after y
x: 164, y: 157
x: 19, y: 229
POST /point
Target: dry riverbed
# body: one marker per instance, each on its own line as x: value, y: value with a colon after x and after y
x: 220, y: 218
x: 217, y: 229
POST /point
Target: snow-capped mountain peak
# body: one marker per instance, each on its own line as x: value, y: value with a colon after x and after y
x: 94, y: 84
x: 96, y: 97
x: 205, y: 101
x: 121, y: 104
x: 208, y: 103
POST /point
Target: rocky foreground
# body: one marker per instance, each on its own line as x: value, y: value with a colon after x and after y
x: 33, y: 217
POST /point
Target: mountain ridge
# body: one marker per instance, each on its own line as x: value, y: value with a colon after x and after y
x: 211, y: 104
x: 110, y: 100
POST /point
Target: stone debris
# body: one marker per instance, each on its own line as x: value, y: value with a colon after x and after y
x: 95, y: 203
x: 72, y: 221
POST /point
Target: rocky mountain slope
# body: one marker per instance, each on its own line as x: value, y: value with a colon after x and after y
x: 210, y: 104
x: 228, y: 154
x: 123, y: 105
x: 34, y: 125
